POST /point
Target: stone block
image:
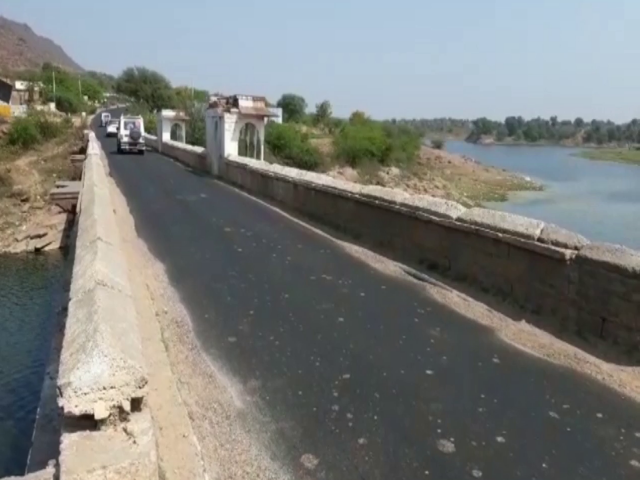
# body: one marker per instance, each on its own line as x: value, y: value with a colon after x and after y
x: 608, y: 256
x: 125, y: 452
x: 502, y: 222
x: 562, y: 238
x: 101, y: 358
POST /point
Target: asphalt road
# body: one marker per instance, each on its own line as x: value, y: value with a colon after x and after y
x: 378, y: 380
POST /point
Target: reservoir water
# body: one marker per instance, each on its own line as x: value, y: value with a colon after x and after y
x: 31, y: 288
x: 600, y: 200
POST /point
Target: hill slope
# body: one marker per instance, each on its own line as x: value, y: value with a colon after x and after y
x: 22, y: 49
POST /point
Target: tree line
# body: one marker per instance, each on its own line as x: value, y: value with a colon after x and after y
x: 553, y: 130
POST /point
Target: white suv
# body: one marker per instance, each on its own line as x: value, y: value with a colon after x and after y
x: 131, y: 134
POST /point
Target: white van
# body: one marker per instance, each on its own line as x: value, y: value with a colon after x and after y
x: 104, y: 119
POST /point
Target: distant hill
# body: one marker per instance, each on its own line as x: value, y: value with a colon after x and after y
x: 23, y: 49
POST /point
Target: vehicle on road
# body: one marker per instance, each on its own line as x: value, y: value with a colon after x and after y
x: 104, y: 119
x: 131, y: 134
x: 112, y: 127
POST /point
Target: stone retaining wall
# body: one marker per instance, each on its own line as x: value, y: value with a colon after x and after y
x: 591, y: 287
x: 106, y: 426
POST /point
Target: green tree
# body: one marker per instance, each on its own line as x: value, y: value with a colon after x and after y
x: 358, y: 117
x: 186, y: 96
x: 147, y: 87
x: 578, y: 122
x: 512, y: 126
x: 323, y: 112
x: 294, y: 107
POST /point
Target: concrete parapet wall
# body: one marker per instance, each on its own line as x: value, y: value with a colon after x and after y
x: 189, y: 155
x: 102, y: 382
x: 543, y: 268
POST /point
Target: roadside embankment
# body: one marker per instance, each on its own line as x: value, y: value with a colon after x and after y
x: 34, y: 155
x: 590, y: 288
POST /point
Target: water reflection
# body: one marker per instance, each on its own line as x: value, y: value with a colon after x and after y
x: 600, y: 200
x: 30, y: 287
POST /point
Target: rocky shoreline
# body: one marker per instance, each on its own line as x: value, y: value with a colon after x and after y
x: 46, y: 230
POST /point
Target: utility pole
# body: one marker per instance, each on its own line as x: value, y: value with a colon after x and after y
x: 80, y: 85
x: 53, y: 72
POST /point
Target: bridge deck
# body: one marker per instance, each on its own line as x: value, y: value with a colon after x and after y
x: 364, y: 371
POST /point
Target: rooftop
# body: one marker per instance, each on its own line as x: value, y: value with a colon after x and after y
x: 245, y: 104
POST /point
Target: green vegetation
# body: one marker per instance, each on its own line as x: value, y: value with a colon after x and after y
x: 294, y: 107
x: 437, y: 143
x: 32, y: 130
x: 437, y: 127
x: 289, y: 143
x: 621, y: 155
x: 540, y: 130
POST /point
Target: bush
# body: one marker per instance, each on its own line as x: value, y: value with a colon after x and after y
x: 291, y: 146
x: 23, y: 133
x: 69, y: 103
x: 361, y: 142
x: 405, y: 143
x: 437, y: 143
x: 47, y: 127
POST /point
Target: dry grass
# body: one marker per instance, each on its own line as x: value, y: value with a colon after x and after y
x: 437, y: 173
x: 27, y: 178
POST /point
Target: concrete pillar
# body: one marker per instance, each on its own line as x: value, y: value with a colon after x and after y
x: 215, y: 140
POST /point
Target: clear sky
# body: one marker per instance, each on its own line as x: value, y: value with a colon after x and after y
x: 399, y: 58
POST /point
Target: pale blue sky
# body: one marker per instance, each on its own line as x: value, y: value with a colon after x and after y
x: 401, y: 58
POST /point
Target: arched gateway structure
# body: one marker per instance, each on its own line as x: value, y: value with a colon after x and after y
x: 235, y: 126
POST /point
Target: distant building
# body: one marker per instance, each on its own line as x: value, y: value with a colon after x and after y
x: 22, y: 92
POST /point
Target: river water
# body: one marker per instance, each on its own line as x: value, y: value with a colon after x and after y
x: 600, y: 200
x: 31, y: 290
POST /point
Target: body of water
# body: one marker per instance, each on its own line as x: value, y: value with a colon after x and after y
x: 600, y: 200
x: 31, y: 290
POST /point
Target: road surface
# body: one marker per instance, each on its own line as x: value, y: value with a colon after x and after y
x: 378, y: 380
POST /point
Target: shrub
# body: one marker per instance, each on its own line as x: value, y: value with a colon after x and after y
x: 23, y: 133
x: 361, y: 142
x: 291, y: 146
x: 69, y: 103
x: 437, y: 143
x: 405, y: 142
x: 47, y: 127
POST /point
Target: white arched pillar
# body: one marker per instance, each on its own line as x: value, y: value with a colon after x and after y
x: 168, y: 120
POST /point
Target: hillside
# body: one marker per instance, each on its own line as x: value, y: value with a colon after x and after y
x: 23, y: 49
